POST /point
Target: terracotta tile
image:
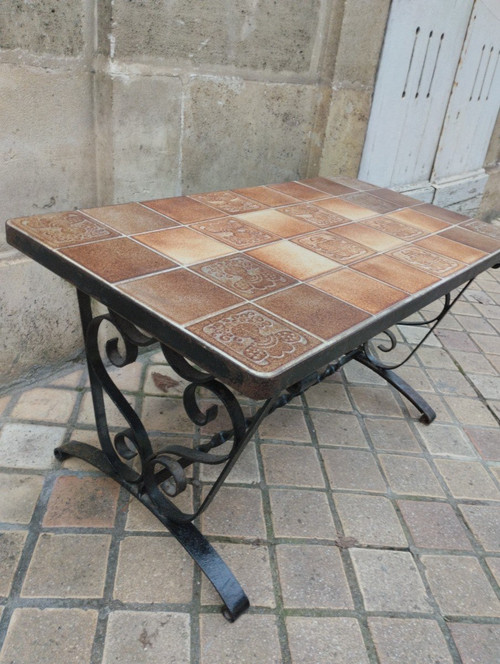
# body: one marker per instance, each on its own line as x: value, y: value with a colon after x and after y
x: 184, y: 245
x: 313, y: 310
x: 472, y: 239
x: 255, y: 338
x: 334, y: 246
x: 357, y: 289
x: 314, y: 215
x: 395, y: 273
x: 291, y: 259
x: 87, y: 502
x: 401, y: 200
x: 235, y: 232
x: 397, y: 228
x: 346, y: 208
x: 274, y: 221
x: 300, y: 191
x: 265, y: 195
x: 180, y: 295
x: 130, y: 218
x: 115, y: 260
x: 244, y: 275
x: 371, y: 202
x: 490, y: 229
x: 227, y: 201
x: 369, y: 237
x: 441, y: 213
x: 62, y: 229
x: 354, y: 183
x: 426, y: 260
x: 416, y: 217
x: 328, y: 186
x: 452, y: 249
x: 183, y: 209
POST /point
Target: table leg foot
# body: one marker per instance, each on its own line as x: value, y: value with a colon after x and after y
x: 197, y: 546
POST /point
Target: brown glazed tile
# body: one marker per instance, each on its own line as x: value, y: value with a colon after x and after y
x: 184, y: 245
x: 472, y: 239
x: 369, y: 237
x: 371, y: 202
x: 300, y: 191
x: 361, y: 291
x: 452, y: 249
x: 346, y: 208
x: 115, y: 260
x: 227, y: 201
x: 396, y: 228
x: 235, y: 232
x: 274, y: 221
x: 180, y: 295
x: 255, y: 338
x: 183, y: 209
x: 401, y: 200
x: 293, y: 260
x: 395, y: 273
x: 360, y: 185
x: 244, y: 275
x: 426, y: 260
x: 130, y: 218
x: 333, y: 246
x: 62, y: 229
x: 482, y: 227
x: 415, y: 217
x: 315, y: 215
x: 328, y: 186
x: 440, y: 213
x: 265, y: 195
x: 313, y: 310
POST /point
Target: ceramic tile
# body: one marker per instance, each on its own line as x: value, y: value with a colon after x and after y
x: 334, y: 247
x: 490, y: 229
x: 300, y: 191
x: 360, y: 185
x: 472, y: 239
x: 426, y: 260
x: 274, y: 221
x: 452, y: 249
x: 293, y: 260
x: 395, y: 273
x: 328, y: 186
x: 314, y: 311
x: 63, y: 229
x: 415, y: 217
x: 265, y: 195
x: 369, y: 237
x: 244, y: 276
x: 255, y: 337
x: 371, y: 202
x: 227, y: 201
x: 401, y: 200
x: 440, y: 213
x: 115, y: 260
x: 183, y: 209
x: 346, y: 208
x: 130, y: 218
x: 235, y: 232
x: 180, y: 295
x: 359, y: 290
x: 184, y: 245
x: 396, y: 228
x: 315, y: 215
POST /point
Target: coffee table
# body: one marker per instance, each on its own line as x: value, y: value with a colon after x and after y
x: 261, y: 292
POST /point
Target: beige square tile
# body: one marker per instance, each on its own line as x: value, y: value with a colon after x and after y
x: 328, y: 395
x: 29, y: 445
x: 353, y: 469
x: 292, y: 465
x: 286, y: 424
x: 410, y: 476
x: 484, y: 521
x: 446, y: 439
x: 325, y: 640
x: 18, y: 496
x: 251, y: 637
x: 375, y: 401
x: 394, y: 435
x: 477, y: 642
x: 398, y: 640
x: 338, y: 429
x: 45, y: 405
x: 434, y: 525
x: 235, y: 512
x: 467, y: 479
x: 370, y: 520
x: 301, y: 513
x: 11, y: 548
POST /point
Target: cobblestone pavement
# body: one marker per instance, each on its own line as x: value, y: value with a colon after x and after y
x: 359, y: 534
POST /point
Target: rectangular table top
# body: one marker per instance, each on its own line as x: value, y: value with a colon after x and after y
x: 263, y: 284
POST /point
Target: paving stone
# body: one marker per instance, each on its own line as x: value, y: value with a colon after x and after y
x: 358, y: 373
x: 18, y: 496
x: 460, y: 586
x: 301, y: 513
x: 414, y: 335
x: 294, y: 465
x: 144, y: 636
x: 393, y: 435
x: 338, y: 429
x: 484, y: 521
x: 113, y: 415
x: 453, y: 340
x: 286, y: 424
x: 164, y: 414
x: 153, y: 569
x: 11, y: 548
x: 29, y: 445
x: 86, y: 502
x: 235, y: 512
x: 127, y: 378
x: 472, y: 324
x: 251, y: 565
x: 415, y: 377
x: 245, y: 471
x: 375, y: 401
x: 371, y: 520
x: 417, y: 641
x: 45, y: 405
x: 451, y: 382
x: 4, y: 402
x: 410, y: 476
x: 162, y: 380
x: 476, y: 643
x: 467, y: 479
x: 325, y: 640
x: 438, y: 405
x: 353, y: 469
x: 221, y: 423
x: 434, y: 525
x: 312, y: 576
x: 470, y: 411
x: 494, y: 565
x: 82, y: 436
x: 71, y: 379
x: 476, y: 362
x: 465, y: 309
x: 446, y: 439
x: 435, y: 358
x: 389, y: 581
x: 487, y: 343
x: 57, y: 636
x: 328, y: 395
x: 140, y: 518
x: 67, y: 566
x: 252, y: 638
x: 489, y: 386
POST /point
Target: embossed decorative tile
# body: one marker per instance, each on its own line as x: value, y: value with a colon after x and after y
x: 334, y: 247
x: 227, y: 201
x: 346, y: 208
x: 491, y: 229
x: 244, y: 276
x: 299, y: 191
x: 184, y: 209
x: 235, y: 232
x: 184, y: 245
x: 265, y: 195
x: 130, y: 218
x: 397, y: 228
x: 427, y: 260
x: 315, y: 215
x: 293, y: 260
x: 274, y: 221
x: 255, y: 337
x: 369, y: 237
